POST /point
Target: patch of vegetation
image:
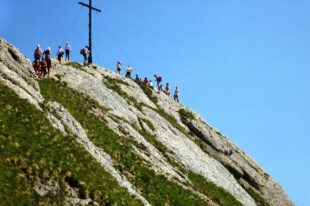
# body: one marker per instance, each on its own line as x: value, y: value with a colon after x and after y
x: 74, y: 65
x: 215, y: 193
x: 173, y: 122
x: 148, y: 91
x: 155, y: 188
x: 30, y: 149
x: 113, y: 85
x: 186, y: 114
x: 260, y: 201
x: 148, y: 123
x: 151, y: 138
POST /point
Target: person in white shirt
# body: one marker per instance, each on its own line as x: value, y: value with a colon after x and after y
x: 67, y: 51
x: 128, y: 71
x: 60, y: 53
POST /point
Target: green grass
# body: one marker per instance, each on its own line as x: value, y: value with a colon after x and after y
x: 31, y: 148
x: 148, y: 91
x: 155, y: 188
x: 113, y: 84
x: 173, y: 122
x: 260, y: 201
x: 215, y: 193
x: 186, y: 114
x: 74, y: 65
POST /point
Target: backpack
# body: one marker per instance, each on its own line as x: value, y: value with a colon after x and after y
x: 82, y: 51
x: 159, y: 78
x: 38, y: 53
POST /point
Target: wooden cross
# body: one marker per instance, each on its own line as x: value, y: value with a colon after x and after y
x: 89, y: 6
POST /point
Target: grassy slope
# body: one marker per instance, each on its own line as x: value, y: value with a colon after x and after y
x: 30, y: 148
x: 157, y: 189
x: 217, y: 194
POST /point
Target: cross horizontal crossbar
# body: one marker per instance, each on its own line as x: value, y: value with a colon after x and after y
x: 93, y: 8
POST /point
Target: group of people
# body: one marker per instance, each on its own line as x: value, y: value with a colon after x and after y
x: 42, y: 61
x: 42, y: 64
x: 60, y: 52
x: 149, y: 82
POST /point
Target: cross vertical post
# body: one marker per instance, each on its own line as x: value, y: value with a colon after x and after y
x: 89, y: 6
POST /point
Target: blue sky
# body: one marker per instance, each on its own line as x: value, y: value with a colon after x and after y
x: 243, y: 65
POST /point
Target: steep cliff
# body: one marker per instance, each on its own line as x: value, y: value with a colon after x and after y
x: 89, y: 136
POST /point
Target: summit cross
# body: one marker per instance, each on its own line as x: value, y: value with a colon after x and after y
x: 89, y: 6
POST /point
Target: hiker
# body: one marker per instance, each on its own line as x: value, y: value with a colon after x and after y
x: 119, y: 67
x: 151, y: 84
x: 47, y: 56
x: 37, y: 53
x: 60, y: 53
x: 37, y: 66
x: 85, y: 51
x: 137, y: 77
x: 43, y: 71
x: 160, y: 88
x: 146, y: 81
x: 158, y: 79
x: 128, y: 71
x: 167, y: 89
x: 67, y: 51
x: 176, y: 94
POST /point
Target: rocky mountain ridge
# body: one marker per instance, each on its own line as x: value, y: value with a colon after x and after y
x: 165, y: 137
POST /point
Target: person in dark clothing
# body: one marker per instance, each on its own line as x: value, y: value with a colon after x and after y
x: 158, y: 79
x: 43, y: 71
x: 119, y: 67
x: 60, y: 54
x: 47, y: 56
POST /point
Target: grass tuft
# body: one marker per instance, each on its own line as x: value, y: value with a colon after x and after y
x: 148, y: 91
x: 74, y: 65
x: 186, y: 114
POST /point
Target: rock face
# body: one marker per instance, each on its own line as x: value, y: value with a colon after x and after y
x: 137, y: 113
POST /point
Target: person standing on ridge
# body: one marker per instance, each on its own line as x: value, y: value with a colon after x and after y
x: 176, y: 94
x: 151, y: 84
x: 47, y: 56
x: 146, y: 81
x: 85, y: 51
x: 119, y: 67
x: 137, y: 77
x: 67, y: 51
x: 128, y: 71
x: 160, y: 89
x: 158, y: 79
x: 38, y: 53
x: 167, y: 89
x: 43, y: 71
x: 60, y: 53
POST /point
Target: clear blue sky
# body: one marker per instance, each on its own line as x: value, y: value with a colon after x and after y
x: 243, y: 65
